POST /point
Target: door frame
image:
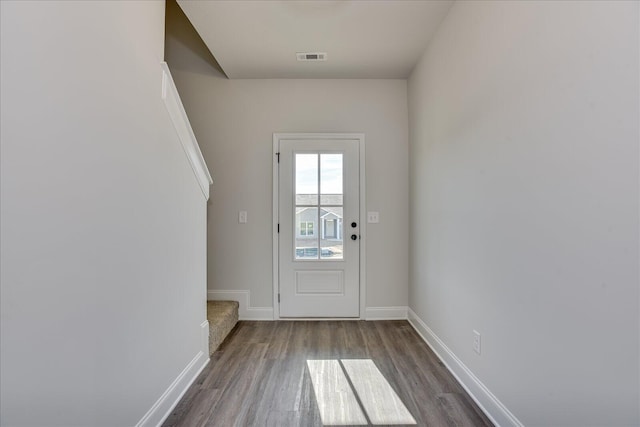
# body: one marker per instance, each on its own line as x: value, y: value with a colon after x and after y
x: 277, y: 137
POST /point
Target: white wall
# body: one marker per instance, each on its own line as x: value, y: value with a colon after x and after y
x: 524, y: 203
x: 102, y: 220
x: 234, y: 121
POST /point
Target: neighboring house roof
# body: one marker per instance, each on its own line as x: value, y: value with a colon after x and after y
x: 324, y: 211
x: 337, y: 212
x: 326, y: 199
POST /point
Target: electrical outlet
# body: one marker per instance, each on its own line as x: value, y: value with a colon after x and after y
x: 242, y: 217
x: 476, y: 341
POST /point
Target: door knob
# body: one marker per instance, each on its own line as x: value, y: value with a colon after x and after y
x: 354, y: 225
x: 354, y: 237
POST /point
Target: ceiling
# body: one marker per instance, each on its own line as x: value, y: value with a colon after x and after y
x: 259, y: 39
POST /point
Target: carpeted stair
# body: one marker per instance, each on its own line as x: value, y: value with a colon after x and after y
x: 222, y: 316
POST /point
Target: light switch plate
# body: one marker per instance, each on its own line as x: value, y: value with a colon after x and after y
x: 242, y: 217
x: 476, y: 341
x: 373, y: 217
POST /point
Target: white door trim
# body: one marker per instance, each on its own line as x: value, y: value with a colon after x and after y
x: 277, y: 137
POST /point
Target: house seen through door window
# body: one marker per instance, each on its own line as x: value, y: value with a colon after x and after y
x: 318, y: 206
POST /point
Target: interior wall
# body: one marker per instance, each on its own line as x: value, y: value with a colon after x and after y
x: 102, y: 221
x: 234, y: 121
x: 524, y: 192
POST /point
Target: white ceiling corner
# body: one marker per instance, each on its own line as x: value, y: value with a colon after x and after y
x: 363, y: 38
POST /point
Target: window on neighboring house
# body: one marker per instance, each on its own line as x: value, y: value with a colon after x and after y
x: 306, y: 228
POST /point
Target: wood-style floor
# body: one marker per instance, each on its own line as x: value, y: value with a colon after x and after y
x: 259, y: 375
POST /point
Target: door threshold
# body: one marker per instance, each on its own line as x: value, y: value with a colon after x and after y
x: 318, y: 319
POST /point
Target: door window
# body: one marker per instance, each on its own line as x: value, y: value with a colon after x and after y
x: 319, y: 196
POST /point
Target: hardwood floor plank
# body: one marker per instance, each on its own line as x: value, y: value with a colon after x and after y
x: 380, y: 401
x: 259, y: 376
x: 279, y: 390
x: 458, y: 410
x: 337, y: 401
x: 278, y: 345
x: 200, y: 410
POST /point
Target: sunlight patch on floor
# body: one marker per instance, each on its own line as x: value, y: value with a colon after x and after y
x: 337, y: 399
x: 380, y: 401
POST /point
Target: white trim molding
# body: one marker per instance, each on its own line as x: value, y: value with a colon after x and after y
x: 170, y: 398
x: 386, y: 313
x: 487, y: 401
x: 185, y: 132
x: 245, y: 310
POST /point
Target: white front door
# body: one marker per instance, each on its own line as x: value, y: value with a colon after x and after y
x: 319, y: 240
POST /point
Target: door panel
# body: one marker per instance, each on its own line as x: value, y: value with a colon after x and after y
x: 318, y: 215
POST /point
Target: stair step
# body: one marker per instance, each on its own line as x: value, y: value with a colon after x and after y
x: 222, y: 316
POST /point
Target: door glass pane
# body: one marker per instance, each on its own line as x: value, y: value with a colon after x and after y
x: 331, y: 179
x: 306, y: 179
x: 331, y: 238
x: 306, y: 232
x: 319, y: 230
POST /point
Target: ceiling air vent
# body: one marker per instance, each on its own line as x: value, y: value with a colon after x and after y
x: 311, y: 56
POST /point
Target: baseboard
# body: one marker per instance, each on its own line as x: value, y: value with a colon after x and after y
x: 245, y: 310
x: 170, y: 398
x: 386, y: 313
x: 490, y: 405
